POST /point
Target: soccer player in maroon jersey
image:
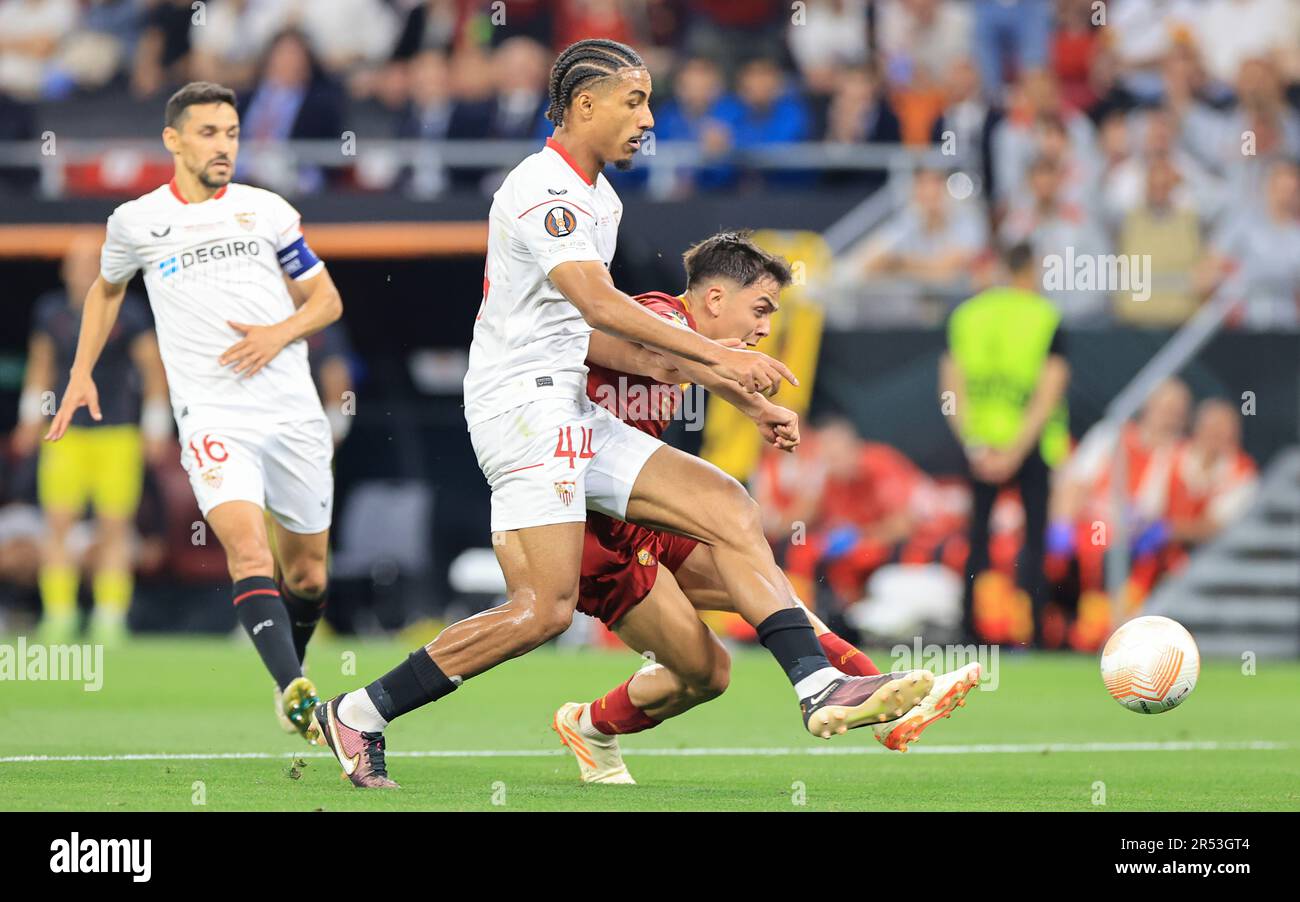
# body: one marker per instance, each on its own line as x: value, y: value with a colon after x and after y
x: 646, y: 584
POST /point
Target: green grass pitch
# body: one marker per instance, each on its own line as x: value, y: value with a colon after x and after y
x: 1047, y: 738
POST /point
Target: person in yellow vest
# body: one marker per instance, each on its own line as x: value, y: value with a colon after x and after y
x: 1002, y: 384
x: 100, y: 461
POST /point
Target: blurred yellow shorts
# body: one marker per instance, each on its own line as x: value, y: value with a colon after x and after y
x: 103, y: 465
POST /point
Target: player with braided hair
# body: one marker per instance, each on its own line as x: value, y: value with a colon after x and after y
x: 578, y: 65
x: 549, y: 453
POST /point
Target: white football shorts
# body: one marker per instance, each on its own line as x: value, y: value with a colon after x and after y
x: 281, y: 467
x: 550, y: 460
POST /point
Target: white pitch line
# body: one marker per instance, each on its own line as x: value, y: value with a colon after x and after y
x: 984, y: 749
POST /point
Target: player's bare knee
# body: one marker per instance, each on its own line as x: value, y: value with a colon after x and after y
x: 307, y: 580
x: 743, y: 518
x: 709, y: 680
x: 539, y: 618
x: 556, y: 617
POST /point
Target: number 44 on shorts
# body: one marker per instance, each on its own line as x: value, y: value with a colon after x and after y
x: 564, y: 445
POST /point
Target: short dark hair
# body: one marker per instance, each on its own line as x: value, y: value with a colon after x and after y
x: 195, y: 93
x: 1018, y: 256
x: 735, y: 256
x: 585, y: 61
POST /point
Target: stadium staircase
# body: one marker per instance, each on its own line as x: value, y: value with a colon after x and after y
x: 1241, y: 592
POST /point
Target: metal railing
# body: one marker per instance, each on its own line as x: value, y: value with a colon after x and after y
x: 1172, y: 357
x: 384, y: 157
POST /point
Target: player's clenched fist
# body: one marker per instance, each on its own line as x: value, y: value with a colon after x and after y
x: 754, y: 371
x: 259, y: 345
x: 81, y: 392
x: 779, y: 426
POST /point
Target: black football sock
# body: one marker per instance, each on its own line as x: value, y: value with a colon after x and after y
x: 260, y: 609
x: 304, y: 614
x: 410, y: 685
x: 789, y: 636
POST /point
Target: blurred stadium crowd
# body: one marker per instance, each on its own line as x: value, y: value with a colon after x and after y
x: 1168, y: 130
x: 1160, y: 128
x: 874, y: 524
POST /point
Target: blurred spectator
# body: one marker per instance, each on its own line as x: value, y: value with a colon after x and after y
x: 522, y: 69
x: 732, y: 30
x: 1107, y: 93
x: 935, y: 239
x: 866, y: 504
x: 1063, y: 232
x: 765, y: 110
x: 1011, y: 37
x: 1238, y: 144
x: 1005, y: 376
x: 162, y: 53
x: 430, y: 24
x: 430, y: 110
x: 431, y: 114
x: 1075, y: 44
x: 1255, y: 257
x: 1142, y: 33
x: 1229, y: 32
x: 1124, y: 188
x: 916, y: 39
x: 294, y: 98
x: 968, y: 118
x: 231, y: 41
x: 692, y: 115
x: 97, y: 48
x: 30, y: 33
x: 831, y: 35
x: 98, y: 462
x: 1080, y: 165
x: 859, y: 113
x: 1213, y: 480
x: 1166, y: 230
x: 579, y: 19
x: 533, y: 19
x: 1017, y: 136
x: 342, y: 33
x: 1083, y: 495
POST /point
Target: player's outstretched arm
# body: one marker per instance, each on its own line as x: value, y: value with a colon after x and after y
x: 625, y: 356
x: 318, y: 303
x: 103, y: 302
x: 588, y: 287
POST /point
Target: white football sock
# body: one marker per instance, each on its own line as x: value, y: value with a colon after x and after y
x: 359, y: 712
x: 587, y: 728
x: 816, y: 682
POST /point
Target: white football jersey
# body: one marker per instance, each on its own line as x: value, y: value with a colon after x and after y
x: 529, y: 341
x: 206, y: 264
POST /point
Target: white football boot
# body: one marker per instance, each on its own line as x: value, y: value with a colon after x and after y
x: 599, y: 760
x: 948, y: 693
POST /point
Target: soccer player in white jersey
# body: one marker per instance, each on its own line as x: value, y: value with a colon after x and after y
x: 234, y: 290
x: 549, y: 453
